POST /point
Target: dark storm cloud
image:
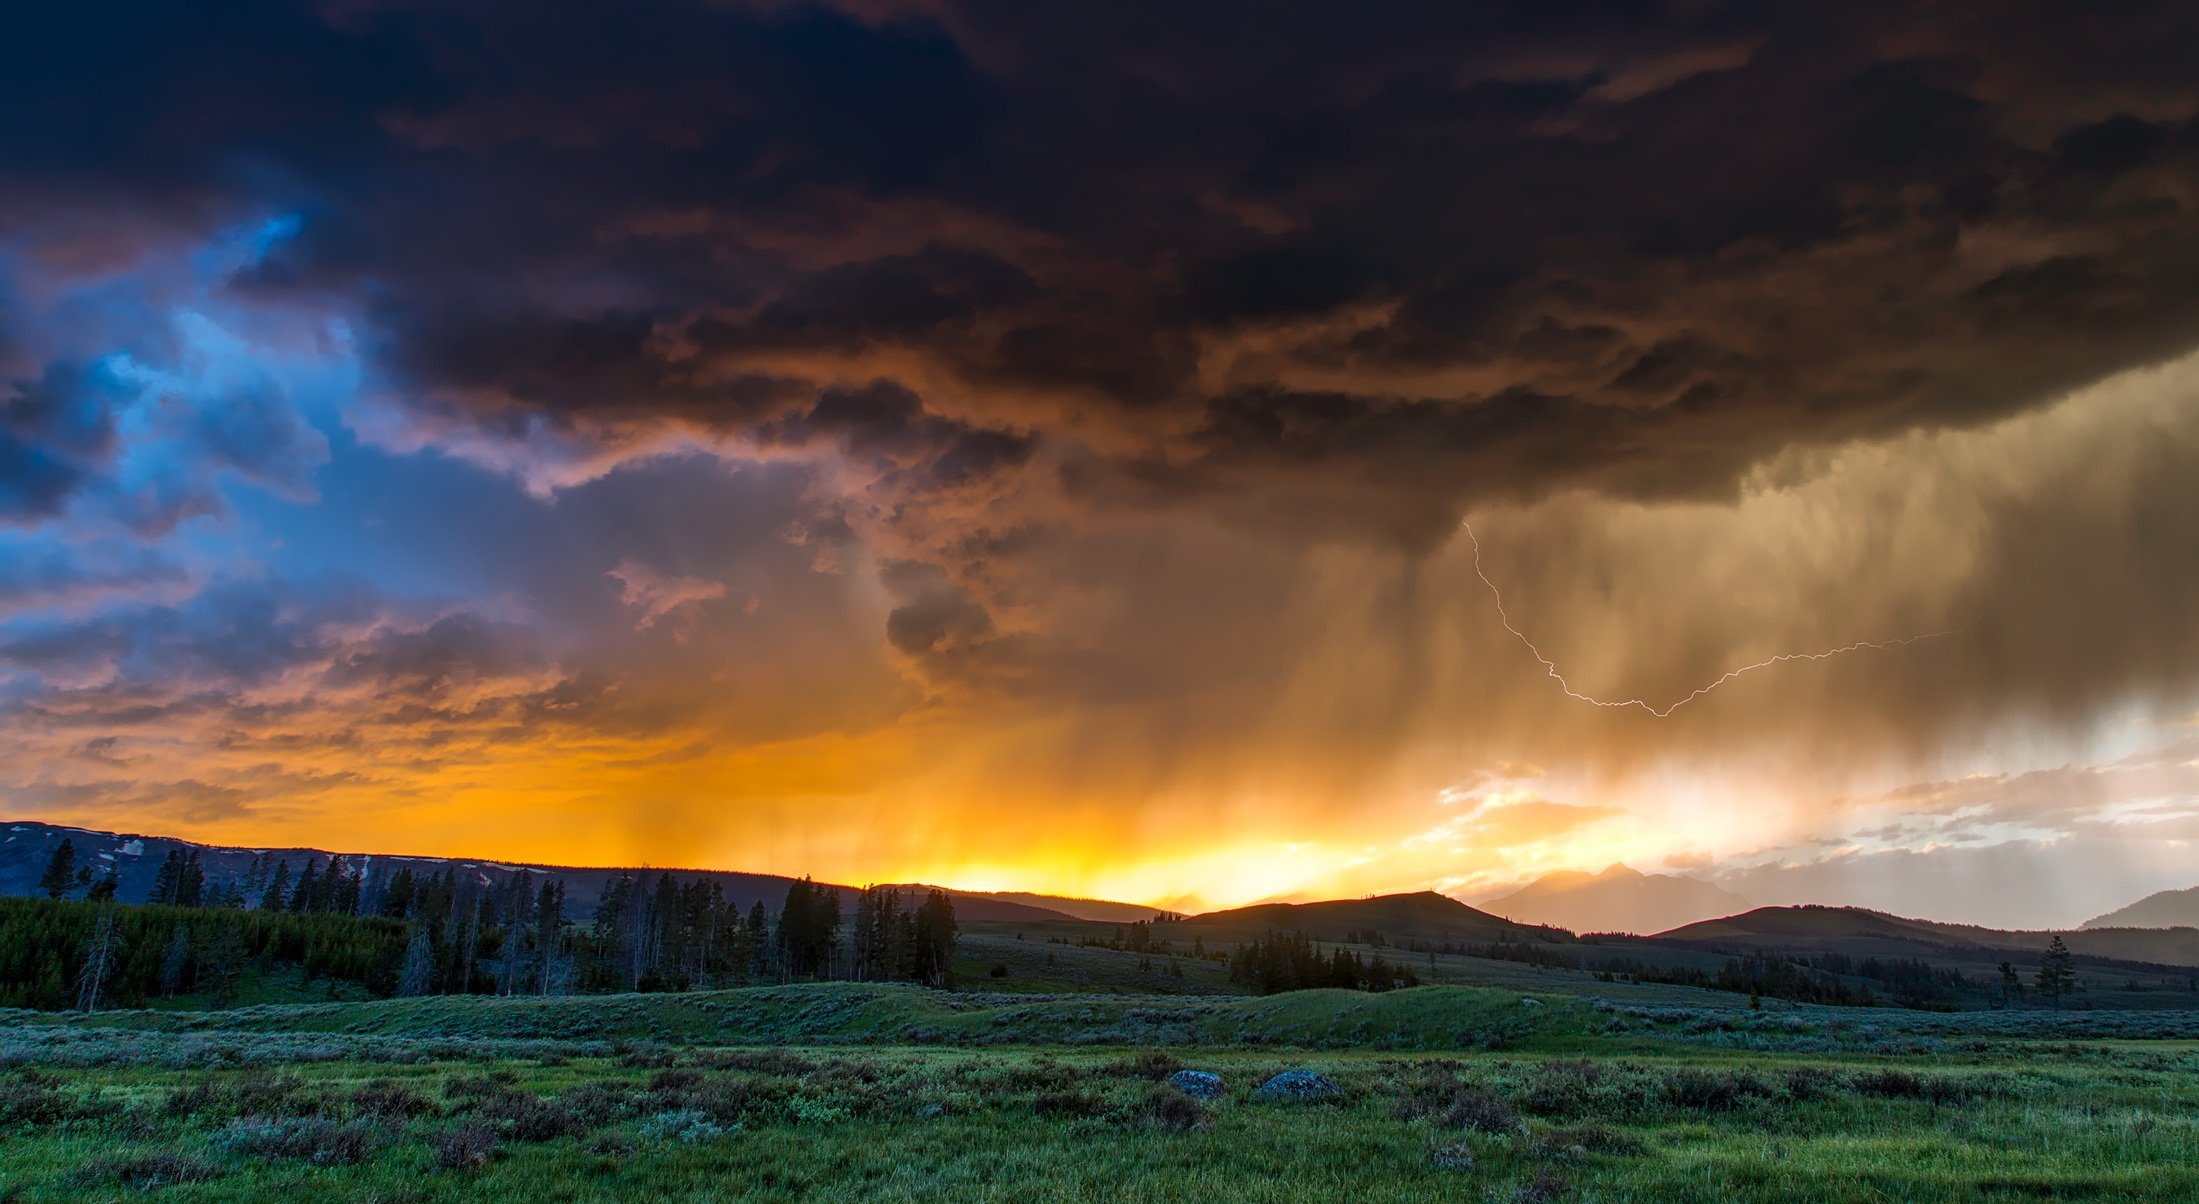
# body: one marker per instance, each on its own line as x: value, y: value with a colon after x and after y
x: 1011, y: 272
x: 55, y: 433
x: 1622, y: 245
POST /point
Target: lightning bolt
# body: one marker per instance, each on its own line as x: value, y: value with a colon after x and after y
x: 1550, y: 667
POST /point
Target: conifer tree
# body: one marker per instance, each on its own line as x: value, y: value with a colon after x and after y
x: 60, y: 872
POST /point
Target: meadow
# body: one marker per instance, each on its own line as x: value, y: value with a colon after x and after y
x: 871, y: 1091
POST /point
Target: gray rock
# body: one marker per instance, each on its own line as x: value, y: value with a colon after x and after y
x: 1198, y: 1084
x: 1298, y: 1085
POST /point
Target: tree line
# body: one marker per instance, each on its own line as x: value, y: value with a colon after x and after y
x: 1292, y: 961
x: 435, y: 933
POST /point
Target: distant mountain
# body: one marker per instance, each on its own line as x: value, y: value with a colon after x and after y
x: 1083, y: 909
x: 1619, y: 899
x: 1861, y: 933
x: 2162, y: 909
x: 1425, y: 915
x: 25, y: 846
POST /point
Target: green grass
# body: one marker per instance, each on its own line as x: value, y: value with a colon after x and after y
x: 854, y: 1092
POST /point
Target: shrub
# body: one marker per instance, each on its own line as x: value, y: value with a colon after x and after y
x: 1152, y: 1064
x: 665, y: 1081
x: 809, y: 1110
x: 1590, y: 1138
x: 1547, y: 1186
x: 597, y: 1103
x: 1456, y: 1157
x: 761, y: 1061
x: 1165, y: 1108
x: 30, y: 1099
x: 390, y: 1100
x: 1060, y: 1104
x: 468, y: 1146
x: 688, y: 1125
x: 1713, y: 1090
x: 1441, y: 1097
x: 144, y: 1172
x: 479, y: 1086
x: 313, y: 1139
x: 245, y: 1093
x: 523, y: 1116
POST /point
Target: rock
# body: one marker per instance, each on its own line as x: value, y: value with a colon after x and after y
x: 1530, y: 1001
x: 1198, y: 1084
x: 1298, y: 1085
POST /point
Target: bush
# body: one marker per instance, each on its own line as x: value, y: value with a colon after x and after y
x: 1441, y: 1097
x: 688, y: 1125
x: 30, y: 1099
x: 1165, y: 1108
x: 809, y: 1110
x: 313, y: 1139
x: 469, y: 1146
x: 762, y: 1061
x: 390, y: 1100
x: 523, y: 1116
x: 1590, y: 1139
x: 245, y: 1093
x: 1455, y: 1157
x: 597, y: 1103
x: 1060, y: 1104
x: 144, y: 1172
x: 1153, y: 1065
x: 1713, y: 1090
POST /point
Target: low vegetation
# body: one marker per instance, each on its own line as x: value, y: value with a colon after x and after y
x: 1607, y: 1118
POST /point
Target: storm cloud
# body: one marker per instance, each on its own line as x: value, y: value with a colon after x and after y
x: 741, y: 405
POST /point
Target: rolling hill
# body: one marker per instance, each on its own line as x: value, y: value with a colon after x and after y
x: 25, y: 846
x: 1620, y: 899
x: 1423, y: 915
x: 2162, y: 909
x: 1862, y: 933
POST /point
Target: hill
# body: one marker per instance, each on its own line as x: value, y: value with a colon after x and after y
x: 1421, y: 916
x: 1862, y: 933
x: 2162, y: 909
x: 1620, y: 899
x: 25, y: 846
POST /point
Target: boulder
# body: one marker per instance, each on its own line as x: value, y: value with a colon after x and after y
x: 1298, y: 1085
x: 1198, y: 1084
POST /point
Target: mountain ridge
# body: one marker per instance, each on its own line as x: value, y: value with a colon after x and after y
x: 25, y: 846
x: 1618, y: 898
x: 2161, y: 909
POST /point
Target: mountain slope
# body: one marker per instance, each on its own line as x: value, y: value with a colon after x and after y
x: 1424, y: 915
x: 2161, y: 909
x: 1861, y: 933
x: 1619, y: 899
x: 25, y: 846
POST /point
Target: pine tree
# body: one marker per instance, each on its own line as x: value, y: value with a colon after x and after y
x: 2058, y: 972
x: 308, y: 889
x: 60, y: 872
x: 935, y: 936
x: 168, y: 879
x: 277, y: 895
x: 190, y: 882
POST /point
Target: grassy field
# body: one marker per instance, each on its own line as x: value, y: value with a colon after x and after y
x: 873, y: 1092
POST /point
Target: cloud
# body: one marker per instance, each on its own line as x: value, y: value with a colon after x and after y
x: 655, y: 595
x: 1132, y: 394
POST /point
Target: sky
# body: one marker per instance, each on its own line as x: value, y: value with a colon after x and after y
x: 1033, y: 446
